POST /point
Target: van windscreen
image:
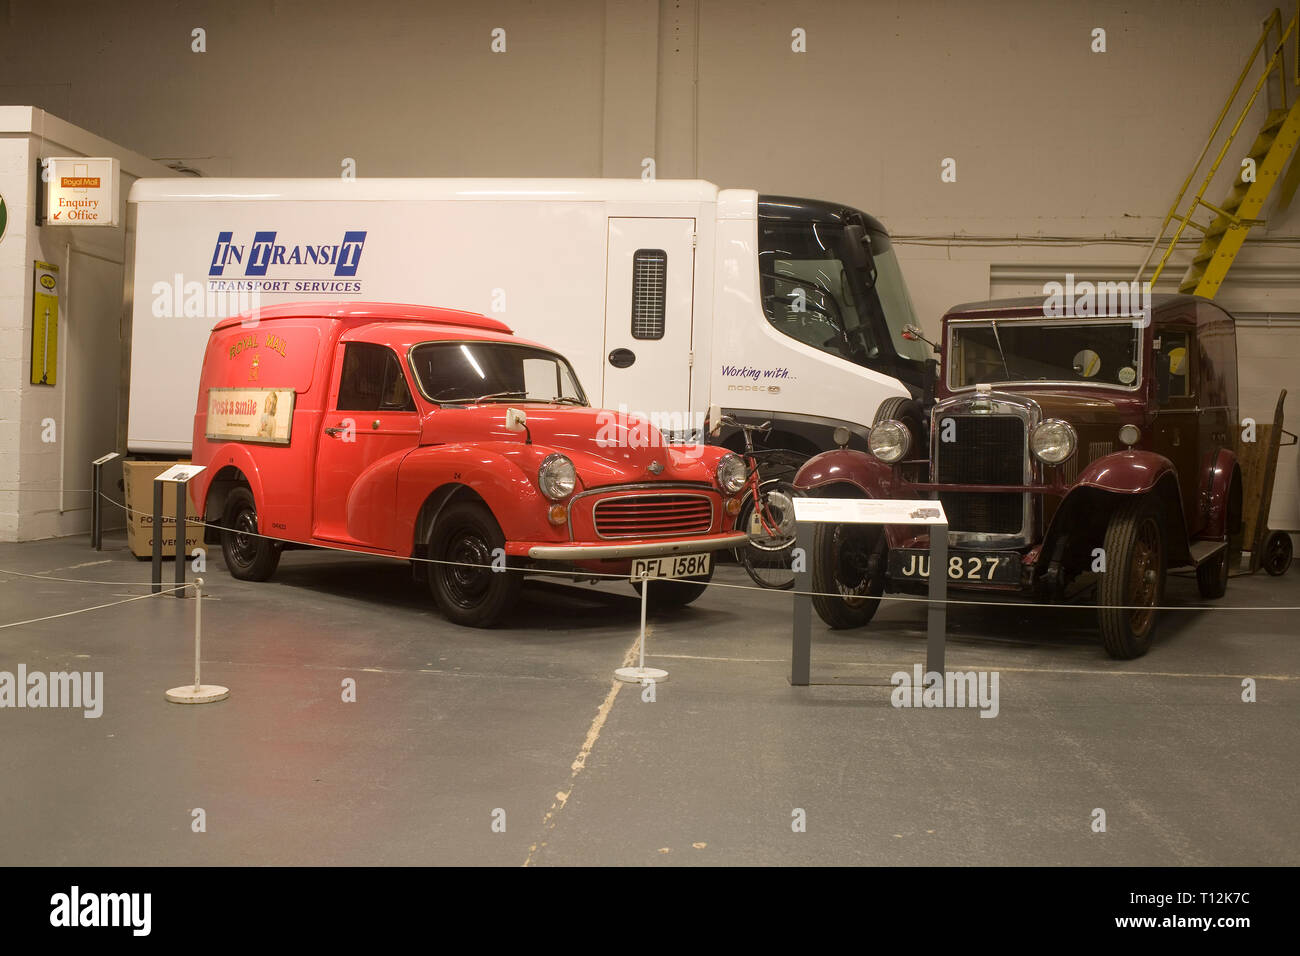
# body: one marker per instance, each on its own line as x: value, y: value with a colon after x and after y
x: 472, y: 372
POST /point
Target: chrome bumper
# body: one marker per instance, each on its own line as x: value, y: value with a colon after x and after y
x: 611, y: 552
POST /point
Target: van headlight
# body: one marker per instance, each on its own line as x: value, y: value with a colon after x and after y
x: 889, y: 440
x: 1053, y: 441
x: 557, y: 477
x: 731, y: 473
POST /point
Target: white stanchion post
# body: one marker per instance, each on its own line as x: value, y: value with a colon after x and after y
x: 200, y: 693
x: 642, y: 674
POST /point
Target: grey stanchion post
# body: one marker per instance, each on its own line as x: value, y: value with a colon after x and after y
x: 937, y: 615
x: 96, y: 517
x: 801, y: 649
x: 157, y: 536
x: 182, y: 488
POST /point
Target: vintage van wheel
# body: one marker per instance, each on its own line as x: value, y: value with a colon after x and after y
x: 678, y: 593
x: 1133, y: 584
x: 846, y: 561
x: 463, y: 582
x: 1277, y: 553
x: 248, y: 557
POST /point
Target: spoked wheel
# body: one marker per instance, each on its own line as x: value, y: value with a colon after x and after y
x: 768, y: 554
x: 468, y: 588
x: 1277, y: 553
x: 848, y: 560
x: 1133, y: 584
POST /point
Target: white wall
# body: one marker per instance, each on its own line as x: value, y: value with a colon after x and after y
x: 42, y: 483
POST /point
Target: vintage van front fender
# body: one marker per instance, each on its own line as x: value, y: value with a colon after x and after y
x: 1130, y: 472
x: 869, y: 475
x: 519, y: 508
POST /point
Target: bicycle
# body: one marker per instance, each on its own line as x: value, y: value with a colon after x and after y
x: 767, y: 509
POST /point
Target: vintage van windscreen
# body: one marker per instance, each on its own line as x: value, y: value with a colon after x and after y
x: 1027, y: 352
x: 812, y: 292
x: 470, y: 372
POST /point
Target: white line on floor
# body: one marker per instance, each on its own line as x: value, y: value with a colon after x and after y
x: 998, y: 667
x: 580, y: 762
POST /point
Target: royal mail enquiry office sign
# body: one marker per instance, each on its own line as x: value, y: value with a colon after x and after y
x: 80, y: 190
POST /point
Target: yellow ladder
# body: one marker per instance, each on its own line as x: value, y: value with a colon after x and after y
x: 1223, y: 236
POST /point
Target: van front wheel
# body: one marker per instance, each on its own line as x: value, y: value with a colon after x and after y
x: 248, y: 556
x: 466, y: 577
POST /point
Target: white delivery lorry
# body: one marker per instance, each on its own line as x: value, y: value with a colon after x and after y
x: 667, y: 296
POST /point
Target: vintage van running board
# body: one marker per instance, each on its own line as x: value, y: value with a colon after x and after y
x: 1202, y: 551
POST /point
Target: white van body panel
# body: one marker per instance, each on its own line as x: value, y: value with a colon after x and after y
x: 535, y: 254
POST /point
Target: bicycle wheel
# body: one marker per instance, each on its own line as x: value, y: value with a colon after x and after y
x: 767, y: 554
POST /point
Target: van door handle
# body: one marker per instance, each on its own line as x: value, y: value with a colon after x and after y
x: 333, y: 431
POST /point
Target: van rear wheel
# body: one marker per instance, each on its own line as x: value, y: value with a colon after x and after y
x: 468, y: 588
x: 248, y: 556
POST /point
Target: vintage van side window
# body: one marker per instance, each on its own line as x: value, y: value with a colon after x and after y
x: 1173, y: 362
x: 372, y: 380
x: 649, y: 292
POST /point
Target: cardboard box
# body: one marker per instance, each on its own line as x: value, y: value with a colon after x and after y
x: 137, y: 483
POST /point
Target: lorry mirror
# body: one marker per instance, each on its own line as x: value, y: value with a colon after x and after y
x: 715, y: 420
x: 516, y: 419
x: 857, y: 249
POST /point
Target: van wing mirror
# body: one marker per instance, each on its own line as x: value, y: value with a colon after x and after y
x: 516, y: 419
x: 857, y: 249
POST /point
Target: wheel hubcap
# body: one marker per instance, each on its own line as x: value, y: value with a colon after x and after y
x: 469, y: 577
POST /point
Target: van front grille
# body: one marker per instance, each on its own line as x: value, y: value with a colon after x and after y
x: 653, y: 515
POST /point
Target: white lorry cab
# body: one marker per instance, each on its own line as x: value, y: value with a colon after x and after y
x: 668, y: 297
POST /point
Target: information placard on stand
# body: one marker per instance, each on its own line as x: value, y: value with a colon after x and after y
x: 811, y: 511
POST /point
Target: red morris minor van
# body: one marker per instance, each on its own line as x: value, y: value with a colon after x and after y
x: 437, y: 435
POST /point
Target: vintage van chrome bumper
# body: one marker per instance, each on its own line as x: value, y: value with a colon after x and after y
x: 613, y: 552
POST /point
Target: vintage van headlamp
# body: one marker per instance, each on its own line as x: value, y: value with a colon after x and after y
x: 889, y: 440
x: 732, y: 473
x: 1130, y: 435
x: 1053, y: 441
x: 557, y: 477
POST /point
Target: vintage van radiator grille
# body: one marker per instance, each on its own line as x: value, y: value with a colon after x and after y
x: 988, y: 450
x: 988, y: 514
x: 649, y: 289
x: 644, y: 516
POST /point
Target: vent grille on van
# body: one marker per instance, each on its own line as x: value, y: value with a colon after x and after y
x: 649, y: 290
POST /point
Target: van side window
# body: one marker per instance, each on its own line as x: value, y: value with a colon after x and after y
x: 649, y: 291
x: 1173, y: 364
x: 372, y: 380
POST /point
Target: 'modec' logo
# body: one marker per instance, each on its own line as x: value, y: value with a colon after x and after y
x: 264, y: 253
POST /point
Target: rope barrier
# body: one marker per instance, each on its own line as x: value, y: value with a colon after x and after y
x: 589, y: 575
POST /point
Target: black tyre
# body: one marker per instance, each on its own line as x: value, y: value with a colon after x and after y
x: 767, y: 554
x: 669, y: 594
x: 1277, y: 553
x: 847, y: 560
x: 908, y: 412
x: 465, y: 585
x: 248, y: 556
x: 1133, y: 584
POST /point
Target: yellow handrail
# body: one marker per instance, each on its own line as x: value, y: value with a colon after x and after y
x: 1275, y: 62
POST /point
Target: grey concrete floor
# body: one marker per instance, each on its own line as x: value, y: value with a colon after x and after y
x: 452, y: 724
